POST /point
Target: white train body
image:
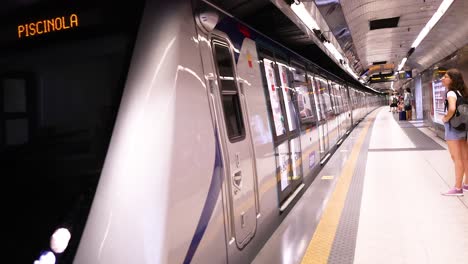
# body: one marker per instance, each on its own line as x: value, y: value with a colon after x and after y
x: 218, y: 131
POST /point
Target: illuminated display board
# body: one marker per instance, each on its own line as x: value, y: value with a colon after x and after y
x: 382, y: 78
x: 48, y: 25
x: 43, y: 23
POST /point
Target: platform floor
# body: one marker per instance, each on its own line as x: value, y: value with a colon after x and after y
x: 378, y: 200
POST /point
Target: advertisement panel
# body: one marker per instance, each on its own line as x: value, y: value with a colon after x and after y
x: 438, y: 96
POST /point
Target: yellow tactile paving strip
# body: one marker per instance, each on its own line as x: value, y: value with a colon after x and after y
x: 320, y: 246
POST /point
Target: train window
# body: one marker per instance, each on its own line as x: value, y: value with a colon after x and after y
x: 17, y: 123
x: 283, y: 162
x: 335, y: 92
x: 315, y: 94
x: 226, y: 72
x: 344, y: 97
x: 339, y: 98
x: 274, y: 96
x: 233, y: 115
x: 230, y: 97
x: 326, y: 96
x: 304, y: 102
x: 321, y: 91
x: 331, y: 86
x: 286, y: 92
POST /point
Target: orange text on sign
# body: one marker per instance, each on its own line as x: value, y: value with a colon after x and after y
x: 47, y: 26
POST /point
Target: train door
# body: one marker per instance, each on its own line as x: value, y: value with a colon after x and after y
x: 232, y: 125
x: 284, y: 124
x: 292, y: 139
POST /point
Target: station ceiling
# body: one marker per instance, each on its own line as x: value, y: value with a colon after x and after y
x: 370, y: 32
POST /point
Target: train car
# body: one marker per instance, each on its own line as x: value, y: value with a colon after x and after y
x: 169, y: 132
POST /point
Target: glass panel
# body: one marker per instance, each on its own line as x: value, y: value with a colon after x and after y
x: 296, y: 158
x: 344, y: 98
x: 283, y: 163
x: 316, y: 98
x: 337, y: 98
x: 225, y: 68
x: 302, y: 92
x: 288, y: 103
x: 233, y: 116
x: 16, y: 131
x: 14, y: 95
x: 231, y: 103
x: 323, y: 92
x: 278, y: 118
x: 320, y: 105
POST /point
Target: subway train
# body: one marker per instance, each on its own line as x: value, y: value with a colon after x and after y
x: 169, y: 132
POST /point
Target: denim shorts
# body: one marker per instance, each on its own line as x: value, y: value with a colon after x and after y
x: 453, y: 134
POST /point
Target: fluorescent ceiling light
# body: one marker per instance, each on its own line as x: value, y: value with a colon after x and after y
x: 331, y: 48
x: 301, y: 11
x: 305, y: 16
x: 434, y: 19
x: 403, y: 61
x: 353, y: 74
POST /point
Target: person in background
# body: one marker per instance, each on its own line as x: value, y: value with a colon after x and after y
x: 400, y: 106
x: 393, y: 104
x: 407, y: 102
x: 456, y: 139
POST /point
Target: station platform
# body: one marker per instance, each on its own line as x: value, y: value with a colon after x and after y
x: 378, y: 200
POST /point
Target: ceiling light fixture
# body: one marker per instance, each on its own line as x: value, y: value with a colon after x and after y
x: 434, y: 19
x: 303, y: 14
x: 403, y: 61
x: 331, y: 48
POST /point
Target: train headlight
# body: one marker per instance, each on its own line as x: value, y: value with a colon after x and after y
x: 59, y: 240
x: 46, y: 257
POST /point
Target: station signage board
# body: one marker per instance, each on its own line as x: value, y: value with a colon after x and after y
x: 382, y: 78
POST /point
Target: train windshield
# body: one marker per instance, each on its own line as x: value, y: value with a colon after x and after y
x: 63, y: 66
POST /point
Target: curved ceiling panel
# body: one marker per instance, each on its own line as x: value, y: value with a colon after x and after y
x: 387, y: 44
x: 448, y: 35
x: 333, y: 14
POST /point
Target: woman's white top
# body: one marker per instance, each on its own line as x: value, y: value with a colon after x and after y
x: 451, y: 94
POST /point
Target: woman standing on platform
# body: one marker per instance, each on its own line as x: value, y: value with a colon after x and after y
x: 456, y: 139
x: 408, y: 107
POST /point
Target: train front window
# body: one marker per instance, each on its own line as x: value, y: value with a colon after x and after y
x: 60, y: 90
x: 230, y: 96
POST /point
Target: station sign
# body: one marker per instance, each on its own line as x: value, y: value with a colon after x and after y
x: 46, y: 26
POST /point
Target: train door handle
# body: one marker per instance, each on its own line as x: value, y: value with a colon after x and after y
x: 211, y: 84
x: 241, y: 88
